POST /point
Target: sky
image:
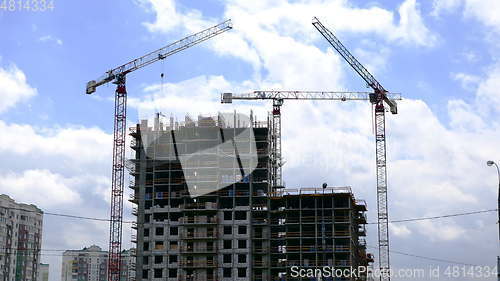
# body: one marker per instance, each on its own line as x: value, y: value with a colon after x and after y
x: 441, y: 55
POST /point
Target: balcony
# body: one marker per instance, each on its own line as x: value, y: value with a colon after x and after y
x: 133, y: 199
x: 159, y: 247
x: 342, y: 248
x: 362, y: 230
x: 208, y: 206
x: 362, y: 242
x: 134, y: 144
x: 303, y: 234
x: 260, y: 235
x: 342, y: 263
x: 303, y: 263
x: 341, y: 219
x: 178, y: 194
x: 131, y: 168
x: 198, y: 264
x: 132, y: 131
x: 201, y: 250
x: 259, y: 263
x: 197, y: 235
x: 194, y: 278
x: 260, y: 249
x: 259, y: 221
x: 132, y: 184
x: 259, y: 207
x: 361, y: 205
x: 361, y: 218
x: 231, y: 193
x: 198, y: 220
x: 286, y: 249
x: 341, y: 233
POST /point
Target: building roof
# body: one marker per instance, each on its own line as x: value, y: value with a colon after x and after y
x: 7, y: 200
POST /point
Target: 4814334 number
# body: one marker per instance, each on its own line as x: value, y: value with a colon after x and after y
x: 470, y: 271
x: 27, y: 5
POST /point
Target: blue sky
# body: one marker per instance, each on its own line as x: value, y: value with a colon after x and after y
x: 442, y: 55
x: 93, y: 40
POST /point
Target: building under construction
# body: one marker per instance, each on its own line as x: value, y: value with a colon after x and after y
x: 206, y: 209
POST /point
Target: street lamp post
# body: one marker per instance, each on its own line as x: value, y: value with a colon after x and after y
x: 491, y: 163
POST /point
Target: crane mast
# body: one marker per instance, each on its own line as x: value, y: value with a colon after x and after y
x: 117, y: 76
x: 377, y: 98
x: 278, y: 98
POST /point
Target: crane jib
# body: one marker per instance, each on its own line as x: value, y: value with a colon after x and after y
x: 353, y: 62
x: 159, y: 54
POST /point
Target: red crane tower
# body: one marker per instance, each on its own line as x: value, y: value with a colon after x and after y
x: 117, y: 76
x: 377, y: 98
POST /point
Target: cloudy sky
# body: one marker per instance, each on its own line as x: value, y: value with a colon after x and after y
x: 442, y: 55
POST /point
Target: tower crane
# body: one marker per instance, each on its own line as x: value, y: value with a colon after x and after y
x: 117, y: 76
x: 378, y: 98
x: 278, y: 97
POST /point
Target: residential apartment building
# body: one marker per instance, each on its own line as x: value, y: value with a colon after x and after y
x: 91, y: 264
x: 43, y: 272
x: 20, y: 240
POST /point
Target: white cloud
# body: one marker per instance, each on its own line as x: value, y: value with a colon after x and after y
x: 485, y: 11
x: 470, y: 56
x: 261, y: 30
x: 73, y: 160
x: 168, y: 17
x: 14, y: 87
x: 77, y: 236
x: 61, y: 170
x: 294, y: 19
x: 488, y: 96
x: 36, y: 186
x: 374, y: 59
x: 412, y: 28
x: 463, y: 117
x: 201, y: 95
x: 438, y: 231
x: 399, y: 230
x: 468, y: 81
x: 77, y: 144
x: 444, y: 6
x: 50, y: 38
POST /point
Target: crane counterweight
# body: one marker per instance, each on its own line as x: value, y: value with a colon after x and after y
x: 227, y: 98
x: 91, y: 86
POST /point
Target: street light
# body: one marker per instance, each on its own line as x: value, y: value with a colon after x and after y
x: 491, y: 163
